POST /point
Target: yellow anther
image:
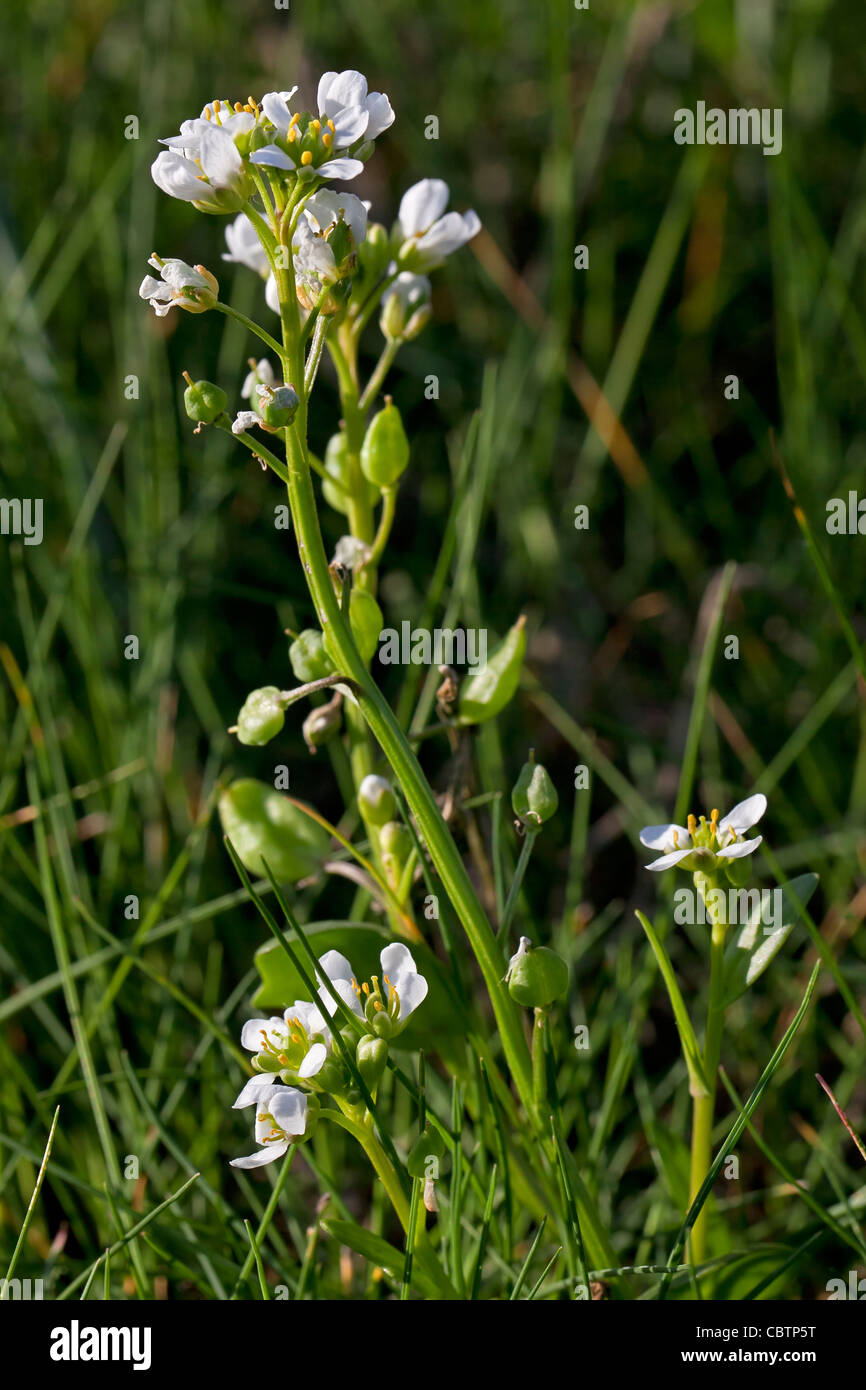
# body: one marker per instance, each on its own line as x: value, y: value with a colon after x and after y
x: 306, y: 158
x: 676, y: 839
x: 253, y: 103
x: 207, y: 113
x: 315, y: 125
x: 377, y: 1006
x: 238, y: 106
x: 294, y: 121
x: 331, y: 124
x: 387, y: 981
x: 296, y: 1038
x: 692, y: 825
x: 327, y: 141
x: 292, y: 135
x: 216, y: 107
x: 281, y: 1057
x: 365, y: 987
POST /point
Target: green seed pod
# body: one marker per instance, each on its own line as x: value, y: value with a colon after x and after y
x: 309, y: 660
x: 321, y: 725
x: 365, y: 620
x: 276, y: 406
x: 337, y: 465
x: 203, y: 401
x: 537, y: 976
x: 261, y: 717
x: 428, y: 1147
x: 262, y: 824
x: 395, y: 840
x: 376, y: 800
x: 372, y: 1056
x: 534, y: 797
x: 385, y: 451
x: 486, y: 692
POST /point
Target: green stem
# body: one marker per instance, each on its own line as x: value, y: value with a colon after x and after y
x: 703, y: 1107
x: 380, y: 371
x: 378, y: 1158
x: 250, y: 327
x: 514, y: 891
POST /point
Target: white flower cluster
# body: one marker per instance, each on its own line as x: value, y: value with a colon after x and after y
x: 298, y: 1043
x: 222, y: 158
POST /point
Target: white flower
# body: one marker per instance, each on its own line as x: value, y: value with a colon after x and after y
x: 207, y: 170
x: 707, y: 840
x: 180, y: 286
x: 404, y: 989
x: 281, y: 1116
x: 429, y: 233
x: 326, y: 208
x: 296, y: 1042
x: 347, y: 115
x: 341, y: 90
x: 244, y: 247
x: 244, y: 420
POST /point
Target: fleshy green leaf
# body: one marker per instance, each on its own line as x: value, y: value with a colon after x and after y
x: 752, y: 951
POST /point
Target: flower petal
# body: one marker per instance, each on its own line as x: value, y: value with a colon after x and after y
x: 402, y: 972
x: 276, y: 107
x: 745, y: 814
x: 340, y: 89
x: 740, y: 849
x: 257, y: 1091
x: 314, y: 1060
x: 219, y: 158
x: 176, y: 176
x: 273, y: 156
x: 421, y: 205
x: 289, y: 1109
x: 262, y: 1156
x: 381, y: 114
x: 340, y: 169
x: 667, y: 861
x: 349, y: 125
x: 662, y: 836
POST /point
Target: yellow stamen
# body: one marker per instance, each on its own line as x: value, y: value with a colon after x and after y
x: 207, y: 113
x: 676, y: 839
x: 366, y: 988
x: 692, y: 825
x: 327, y: 141
x: 238, y: 106
x: 315, y: 125
x: 331, y: 124
x: 377, y: 1006
x: 294, y: 121
x: 306, y: 158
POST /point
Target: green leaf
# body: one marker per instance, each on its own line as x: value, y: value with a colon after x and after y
x: 749, y: 955
x: 688, y: 1041
x: 427, y: 1275
x: 439, y: 1016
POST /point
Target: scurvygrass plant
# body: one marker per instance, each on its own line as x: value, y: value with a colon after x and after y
x: 329, y: 272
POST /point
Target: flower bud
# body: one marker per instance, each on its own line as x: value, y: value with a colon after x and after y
x: 203, y: 401
x: 372, y: 1057
x: 533, y: 798
x: 405, y: 307
x: 385, y: 450
x: 331, y: 1077
x: 395, y: 843
x: 264, y: 825
x: 262, y: 717
x: 309, y: 660
x: 321, y: 724
x: 487, y: 691
x: 277, y: 406
x: 426, y: 1152
x: 376, y: 800
x: 536, y: 977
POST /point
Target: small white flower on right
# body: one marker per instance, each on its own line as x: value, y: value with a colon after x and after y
x: 404, y: 988
x: 429, y: 232
x: 701, y: 843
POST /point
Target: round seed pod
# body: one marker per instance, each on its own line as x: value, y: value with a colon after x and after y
x: 261, y: 717
x: 537, y: 976
x: 337, y: 465
x: 428, y: 1146
x: 203, y: 401
x: 309, y: 660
